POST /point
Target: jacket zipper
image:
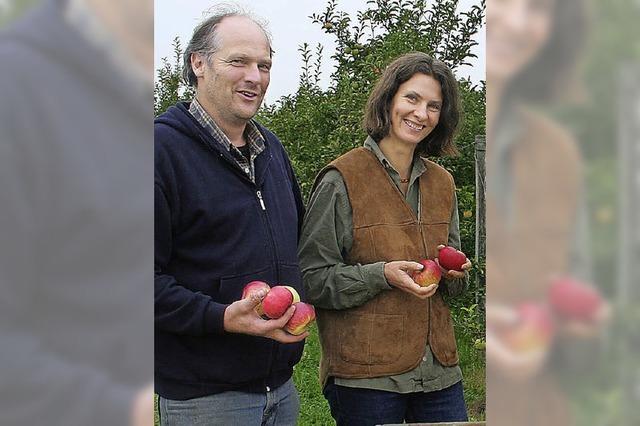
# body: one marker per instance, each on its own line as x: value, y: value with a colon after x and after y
x: 243, y: 175
x: 274, y: 348
x: 259, y: 194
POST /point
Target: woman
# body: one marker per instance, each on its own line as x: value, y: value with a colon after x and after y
x: 388, y: 349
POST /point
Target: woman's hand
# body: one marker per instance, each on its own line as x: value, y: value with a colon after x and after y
x: 450, y: 273
x: 398, y: 274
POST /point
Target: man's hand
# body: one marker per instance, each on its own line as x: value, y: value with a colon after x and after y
x: 241, y: 317
x: 398, y: 274
x: 451, y: 274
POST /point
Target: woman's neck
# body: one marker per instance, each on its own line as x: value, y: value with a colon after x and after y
x: 399, y: 155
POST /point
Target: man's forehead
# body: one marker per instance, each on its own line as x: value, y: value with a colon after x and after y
x: 240, y: 28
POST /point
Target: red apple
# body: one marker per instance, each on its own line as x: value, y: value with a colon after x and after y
x: 304, y: 315
x: 574, y: 299
x: 451, y: 259
x: 430, y: 273
x: 294, y: 293
x: 253, y: 287
x: 534, y: 330
x: 277, y: 301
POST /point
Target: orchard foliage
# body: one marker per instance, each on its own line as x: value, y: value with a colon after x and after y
x: 168, y: 86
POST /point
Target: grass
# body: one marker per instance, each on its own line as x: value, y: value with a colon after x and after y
x: 314, y: 409
x: 472, y: 363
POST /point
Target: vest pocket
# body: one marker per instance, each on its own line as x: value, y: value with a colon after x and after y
x: 371, y: 339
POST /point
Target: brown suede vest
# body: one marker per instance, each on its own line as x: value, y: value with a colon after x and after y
x: 388, y: 334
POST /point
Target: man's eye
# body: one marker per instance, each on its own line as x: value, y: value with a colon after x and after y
x: 264, y: 67
x: 236, y: 62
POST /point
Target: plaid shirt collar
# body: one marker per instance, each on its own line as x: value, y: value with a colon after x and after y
x: 251, y: 133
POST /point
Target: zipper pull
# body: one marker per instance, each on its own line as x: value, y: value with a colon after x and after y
x: 261, y: 200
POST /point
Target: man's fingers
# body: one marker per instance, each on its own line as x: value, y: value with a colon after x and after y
x: 284, y: 319
x: 284, y: 337
x: 256, y: 297
x: 466, y: 265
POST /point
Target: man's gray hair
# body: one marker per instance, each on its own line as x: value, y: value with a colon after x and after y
x: 206, y: 41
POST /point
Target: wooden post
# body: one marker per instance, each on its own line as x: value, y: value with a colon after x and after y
x: 481, y: 190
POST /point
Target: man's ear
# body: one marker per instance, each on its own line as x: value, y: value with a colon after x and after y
x: 197, y: 64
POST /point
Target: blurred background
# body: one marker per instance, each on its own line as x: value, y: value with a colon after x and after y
x: 76, y: 222
x: 563, y: 186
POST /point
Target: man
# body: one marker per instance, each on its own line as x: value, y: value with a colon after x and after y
x: 227, y: 211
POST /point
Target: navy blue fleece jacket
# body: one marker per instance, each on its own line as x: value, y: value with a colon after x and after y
x: 213, y: 235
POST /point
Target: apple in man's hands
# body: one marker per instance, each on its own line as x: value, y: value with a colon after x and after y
x: 304, y: 315
x: 277, y: 301
x: 256, y: 287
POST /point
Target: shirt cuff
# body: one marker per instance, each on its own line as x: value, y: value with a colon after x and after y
x: 374, y: 275
x: 456, y: 286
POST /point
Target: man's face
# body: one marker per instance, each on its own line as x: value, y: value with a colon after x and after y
x: 232, y: 82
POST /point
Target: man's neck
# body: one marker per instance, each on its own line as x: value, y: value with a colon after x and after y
x: 234, y: 131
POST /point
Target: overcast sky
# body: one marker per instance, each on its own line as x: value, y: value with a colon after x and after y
x: 290, y: 26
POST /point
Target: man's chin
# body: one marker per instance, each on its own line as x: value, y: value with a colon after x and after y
x: 247, y: 114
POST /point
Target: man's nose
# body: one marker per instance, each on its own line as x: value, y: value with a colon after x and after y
x: 252, y: 73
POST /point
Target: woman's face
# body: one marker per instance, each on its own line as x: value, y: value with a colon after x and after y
x: 415, y: 109
x: 517, y: 30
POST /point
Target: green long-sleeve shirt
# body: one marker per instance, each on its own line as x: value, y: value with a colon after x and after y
x: 330, y: 283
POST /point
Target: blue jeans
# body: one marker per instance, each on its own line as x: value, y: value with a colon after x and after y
x: 364, y: 407
x: 278, y: 407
